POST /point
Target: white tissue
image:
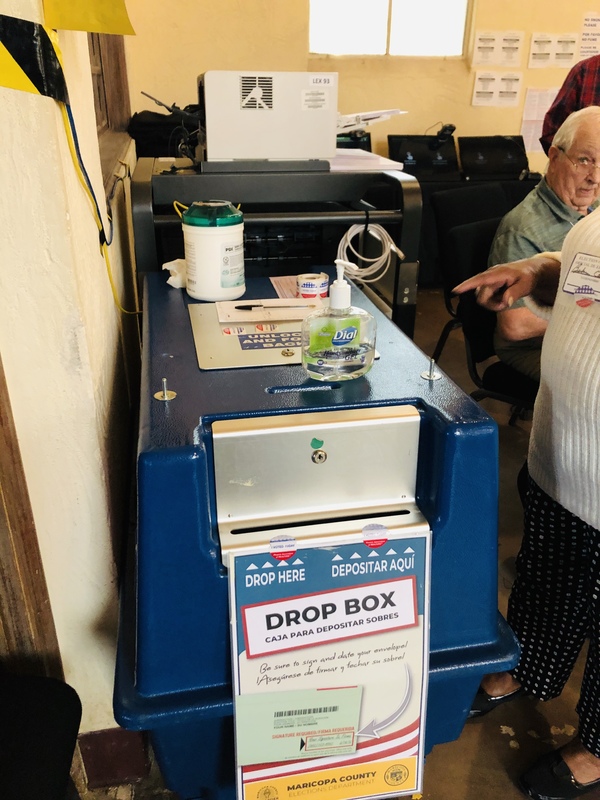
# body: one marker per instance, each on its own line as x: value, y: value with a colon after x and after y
x: 178, y: 272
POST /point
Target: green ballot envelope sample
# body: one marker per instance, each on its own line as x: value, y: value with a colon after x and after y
x: 280, y: 726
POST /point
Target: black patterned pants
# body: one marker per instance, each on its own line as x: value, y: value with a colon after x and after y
x: 555, y: 605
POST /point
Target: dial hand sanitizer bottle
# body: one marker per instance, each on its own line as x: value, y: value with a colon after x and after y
x: 338, y: 341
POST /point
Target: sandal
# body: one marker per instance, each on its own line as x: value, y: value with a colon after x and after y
x: 484, y: 702
x: 551, y: 779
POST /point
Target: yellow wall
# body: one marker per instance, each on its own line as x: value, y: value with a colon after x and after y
x: 169, y: 52
x: 171, y: 48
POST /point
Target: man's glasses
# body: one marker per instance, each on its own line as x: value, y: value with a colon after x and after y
x: 581, y: 163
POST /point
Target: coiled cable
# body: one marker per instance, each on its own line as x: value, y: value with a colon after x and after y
x: 375, y: 268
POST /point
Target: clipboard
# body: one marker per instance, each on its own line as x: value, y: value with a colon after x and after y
x: 252, y: 341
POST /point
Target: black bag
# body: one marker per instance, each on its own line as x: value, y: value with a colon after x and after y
x: 157, y: 134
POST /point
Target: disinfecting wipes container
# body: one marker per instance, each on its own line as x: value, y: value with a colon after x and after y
x: 213, y: 236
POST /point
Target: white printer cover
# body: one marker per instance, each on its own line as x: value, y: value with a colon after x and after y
x: 270, y: 115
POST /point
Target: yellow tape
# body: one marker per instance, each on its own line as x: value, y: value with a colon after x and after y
x: 30, y: 58
x: 11, y: 74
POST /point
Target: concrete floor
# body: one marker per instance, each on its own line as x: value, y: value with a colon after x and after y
x: 485, y: 761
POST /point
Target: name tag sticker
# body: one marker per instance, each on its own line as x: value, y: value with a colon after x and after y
x: 583, y: 279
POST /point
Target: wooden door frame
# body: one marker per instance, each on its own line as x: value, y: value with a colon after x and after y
x: 28, y: 642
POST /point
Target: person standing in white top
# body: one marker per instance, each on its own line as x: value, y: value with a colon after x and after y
x: 555, y: 601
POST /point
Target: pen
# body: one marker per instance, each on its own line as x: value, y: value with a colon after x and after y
x: 254, y: 307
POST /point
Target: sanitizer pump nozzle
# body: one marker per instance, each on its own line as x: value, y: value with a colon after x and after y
x: 340, y: 291
x: 338, y: 341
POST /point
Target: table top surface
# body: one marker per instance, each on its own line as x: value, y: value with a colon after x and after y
x: 205, y: 395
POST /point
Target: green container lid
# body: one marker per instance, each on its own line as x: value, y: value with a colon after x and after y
x: 212, y: 214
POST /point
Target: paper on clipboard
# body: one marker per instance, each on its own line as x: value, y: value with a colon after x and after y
x: 268, y: 310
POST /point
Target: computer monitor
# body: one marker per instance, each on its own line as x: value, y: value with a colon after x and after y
x: 492, y: 158
x: 426, y: 157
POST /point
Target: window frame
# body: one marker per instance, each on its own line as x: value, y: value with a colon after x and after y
x: 111, y: 100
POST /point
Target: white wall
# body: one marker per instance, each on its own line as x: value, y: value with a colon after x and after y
x: 60, y: 346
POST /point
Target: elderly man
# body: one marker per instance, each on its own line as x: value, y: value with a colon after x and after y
x: 566, y: 194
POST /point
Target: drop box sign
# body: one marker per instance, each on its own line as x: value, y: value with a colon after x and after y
x: 330, y: 662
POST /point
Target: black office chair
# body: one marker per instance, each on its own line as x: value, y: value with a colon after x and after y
x: 453, y: 207
x: 469, y: 246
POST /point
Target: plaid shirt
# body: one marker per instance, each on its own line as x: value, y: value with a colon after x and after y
x: 580, y: 89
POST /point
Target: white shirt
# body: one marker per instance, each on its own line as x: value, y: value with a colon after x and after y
x: 564, y: 448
